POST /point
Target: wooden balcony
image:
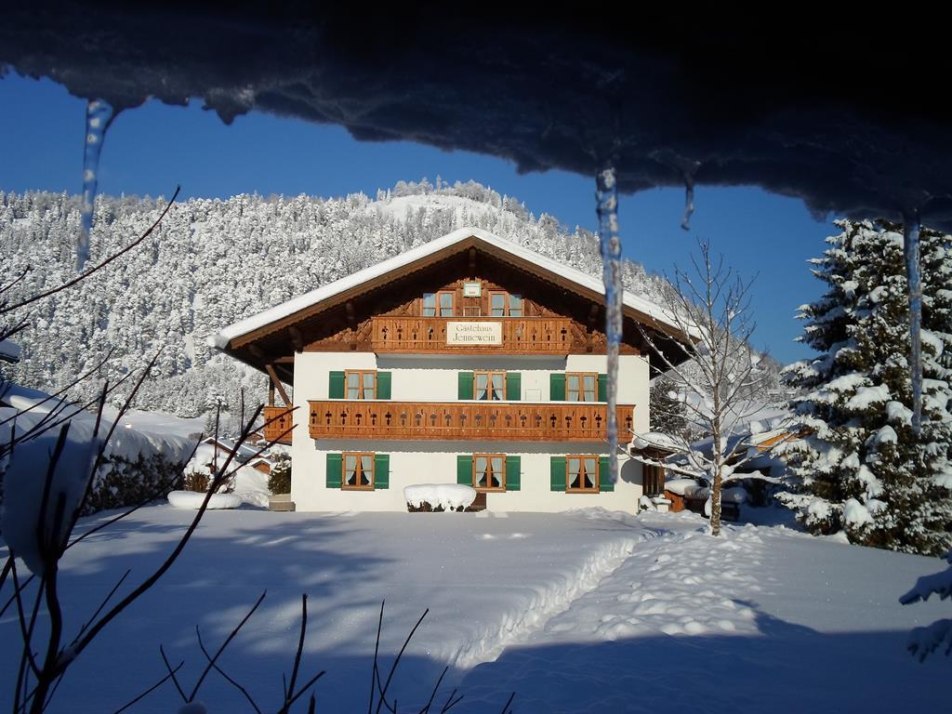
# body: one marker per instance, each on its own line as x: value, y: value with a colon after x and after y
x: 440, y: 421
x: 468, y: 335
x: 278, y: 421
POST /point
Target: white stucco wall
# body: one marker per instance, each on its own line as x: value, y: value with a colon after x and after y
x: 429, y: 379
x: 426, y: 463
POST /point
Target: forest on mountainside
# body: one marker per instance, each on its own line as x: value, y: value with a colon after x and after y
x: 212, y: 262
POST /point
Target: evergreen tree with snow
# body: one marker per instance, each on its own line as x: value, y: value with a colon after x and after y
x: 863, y: 469
x: 667, y: 409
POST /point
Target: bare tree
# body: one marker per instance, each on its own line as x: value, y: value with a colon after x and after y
x: 722, y: 379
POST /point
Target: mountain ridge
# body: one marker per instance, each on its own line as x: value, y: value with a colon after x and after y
x: 193, y: 276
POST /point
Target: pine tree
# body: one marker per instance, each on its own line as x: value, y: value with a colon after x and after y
x: 863, y: 470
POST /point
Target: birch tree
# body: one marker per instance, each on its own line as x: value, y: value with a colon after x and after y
x: 722, y: 379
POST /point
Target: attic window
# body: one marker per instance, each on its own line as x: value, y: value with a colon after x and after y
x: 438, y: 304
x: 503, y: 304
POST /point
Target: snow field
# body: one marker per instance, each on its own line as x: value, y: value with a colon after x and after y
x: 589, y: 611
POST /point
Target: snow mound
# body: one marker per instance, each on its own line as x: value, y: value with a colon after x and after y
x: 34, y: 521
x: 449, y: 496
x: 192, y: 500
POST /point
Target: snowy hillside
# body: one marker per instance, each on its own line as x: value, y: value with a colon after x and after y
x: 212, y: 262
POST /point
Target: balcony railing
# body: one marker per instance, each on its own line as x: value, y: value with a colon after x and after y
x: 500, y: 421
x: 513, y: 335
x: 278, y: 424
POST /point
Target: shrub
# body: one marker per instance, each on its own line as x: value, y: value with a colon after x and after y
x: 125, y: 482
x: 280, y: 479
x: 196, y: 481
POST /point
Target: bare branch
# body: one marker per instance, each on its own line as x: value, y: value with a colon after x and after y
x: 396, y: 662
x: 106, y: 599
x: 172, y: 672
x: 220, y: 671
x: 147, y: 692
x: 300, y: 648
x: 224, y: 645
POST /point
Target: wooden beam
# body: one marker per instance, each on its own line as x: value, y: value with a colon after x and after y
x: 592, y: 323
x: 257, y: 353
x: 277, y: 383
x: 270, y: 392
x: 593, y: 315
x: 297, y: 339
x: 472, y: 262
x: 287, y: 372
x: 283, y: 360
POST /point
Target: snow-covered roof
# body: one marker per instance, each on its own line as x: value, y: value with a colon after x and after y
x: 399, y: 262
x: 655, y: 440
x: 243, y: 452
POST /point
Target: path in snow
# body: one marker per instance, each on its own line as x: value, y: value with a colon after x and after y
x: 522, y: 625
x: 657, y: 591
x: 760, y: 619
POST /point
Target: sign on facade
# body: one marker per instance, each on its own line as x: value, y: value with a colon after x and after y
x: 473, y: 333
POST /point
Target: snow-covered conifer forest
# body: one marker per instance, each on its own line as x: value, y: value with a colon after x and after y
x: 212, y: 262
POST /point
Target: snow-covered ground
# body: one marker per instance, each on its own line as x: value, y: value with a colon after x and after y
x: 589, y: 611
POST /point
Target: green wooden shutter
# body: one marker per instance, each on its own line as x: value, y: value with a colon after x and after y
x: 381, y: 470
x: 383, y: 385
x: 606, y: 477
x: 557, y: 388
x: 335, y: 388
x: 603, y: 387
x: 464, y: 469
x: 465, y: 385
x: 335, y: 470
x: 557, y: 473
x: 513, y: 473
x: 514, y: 386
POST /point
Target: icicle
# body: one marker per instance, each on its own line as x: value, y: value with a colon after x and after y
x: 99, y: 115
x: 688, y: 169
x: 688, y: 201
x: 606, y: 195
x: 911, y: 226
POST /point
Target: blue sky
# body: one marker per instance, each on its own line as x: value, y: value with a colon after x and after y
x: 150, y: 150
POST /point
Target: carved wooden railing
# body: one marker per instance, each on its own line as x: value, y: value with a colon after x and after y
x: 516, y: 335
x: 509, y: 421
x: 277, y: 424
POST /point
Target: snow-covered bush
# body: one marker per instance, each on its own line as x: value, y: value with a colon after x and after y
x: 280, y: 479
x: 122, y: 481
x: 439, y: 497
x: 862, y: 468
